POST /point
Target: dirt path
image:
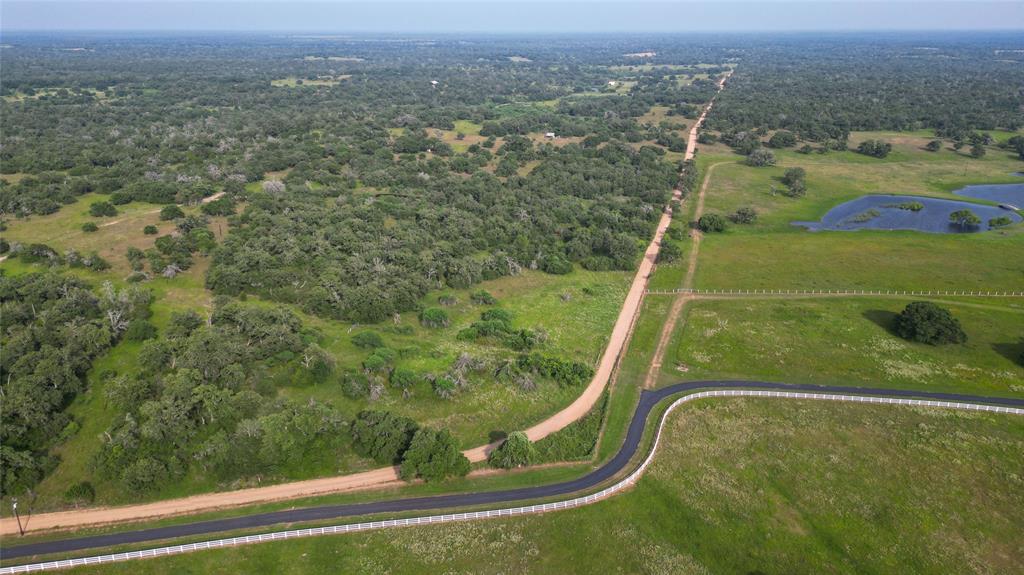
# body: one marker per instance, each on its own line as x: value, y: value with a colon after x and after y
x: 691, y: 268
x: 388, y: 475
x: 682, y: 298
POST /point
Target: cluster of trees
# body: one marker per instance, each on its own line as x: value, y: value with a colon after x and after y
x: 964, y: 218
x: 53, y: 327
x: 420, y: 452
x: 874, y: 148
x: 496, y: 324
x: 45, y: 255
x: 203, y: 401
x: 366, y: 258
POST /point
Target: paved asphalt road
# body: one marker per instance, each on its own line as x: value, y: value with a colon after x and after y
x: 648, y: 400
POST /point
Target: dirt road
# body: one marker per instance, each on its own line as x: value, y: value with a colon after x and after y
x: 387, y: 475
x: 681, y: 299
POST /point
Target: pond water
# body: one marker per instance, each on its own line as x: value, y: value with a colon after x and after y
x: 1012, y: 194
x: 885, y: 212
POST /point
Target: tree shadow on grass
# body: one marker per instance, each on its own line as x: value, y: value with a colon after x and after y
x: 1011, y: 351
x: 496, y: 435
x: 882, y: 318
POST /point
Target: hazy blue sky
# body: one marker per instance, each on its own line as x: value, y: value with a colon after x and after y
x: 510, y: 15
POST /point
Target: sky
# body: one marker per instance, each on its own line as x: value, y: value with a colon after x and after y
x: 510, y: 16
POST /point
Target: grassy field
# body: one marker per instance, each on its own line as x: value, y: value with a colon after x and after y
x: 739, y: 486
x: 772, y: 253
x: 846, y: 341
x: 63, y: 230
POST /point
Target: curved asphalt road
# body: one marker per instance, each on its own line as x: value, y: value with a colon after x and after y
x: 648, y: 400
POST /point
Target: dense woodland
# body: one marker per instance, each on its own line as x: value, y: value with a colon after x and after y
x: 351, y: 191
x: 823, y: 88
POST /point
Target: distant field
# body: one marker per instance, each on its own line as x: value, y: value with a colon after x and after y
x: 63, y: 230
x: 292, y: 82
x: 738, y: 486
x: 772, y: 253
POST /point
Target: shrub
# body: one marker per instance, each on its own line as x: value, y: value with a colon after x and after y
x: 711, y: 223
x: 434, y: 317
x: 999, y: 222
x: 171, y: 212
x: 355, y: 385
x: 566, y: 373
x: 669, y: 252
x: 379, y: 360
x: 793, y: 175
x: 403, y: 378
x: 925, y: 322
x: 874, y: 148
x: 934, y: 146
x: 223, y: 206
x: 367, y: 340
x: 89, y: 227
x: 143, y: 475
x: 120, y: 198
x: 433, y: 456
x: 500, y: 315
x: 761, y: 157
x: 102, y: 209
x: 744, y: 216
x: 782, y: 139
x: 483, y: 297
x: 522, y: 340
x: 556, y: 265
x: 444, y: 387
x: 139, y: 330
x: 515, y: 451
x: 382, y: 436
x: 150, y: 230
x: 81, y: 492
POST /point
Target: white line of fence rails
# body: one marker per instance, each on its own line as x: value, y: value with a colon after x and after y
x: 976, y: 293
x: 624, y: 483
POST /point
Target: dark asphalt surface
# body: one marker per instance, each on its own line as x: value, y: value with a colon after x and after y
x: 437, y: 503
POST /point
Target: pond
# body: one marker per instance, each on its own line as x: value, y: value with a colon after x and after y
x: 1012, y: 194
x: 886, y: 212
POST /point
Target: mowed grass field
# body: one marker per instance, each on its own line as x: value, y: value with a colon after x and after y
x: 846, y: 341
x: 774, y: 254
x: 738, y: 486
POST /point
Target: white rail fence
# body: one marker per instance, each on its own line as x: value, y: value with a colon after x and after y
x: 976, y: 293
x: 621, y: 485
